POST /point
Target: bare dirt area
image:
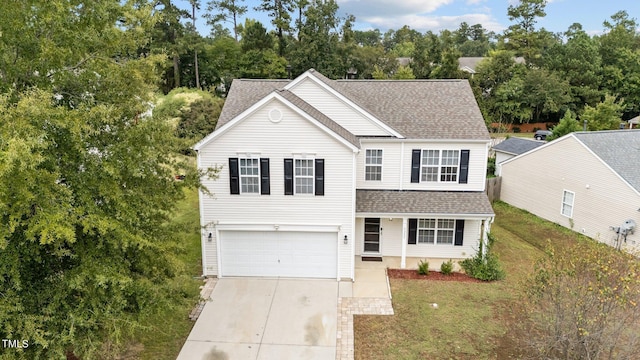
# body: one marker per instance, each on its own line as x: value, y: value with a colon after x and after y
x: 432, y: 275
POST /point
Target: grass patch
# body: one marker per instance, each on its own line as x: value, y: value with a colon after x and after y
x: 472, y: 319
x: 166, y: 331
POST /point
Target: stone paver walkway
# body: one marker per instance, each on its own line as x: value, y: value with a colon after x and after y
x: 347, y: 307
x: 205, y: 294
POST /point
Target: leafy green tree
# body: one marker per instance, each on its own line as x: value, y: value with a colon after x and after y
x: 567, y: 125
x: 318, y: 45
x: 403, y: 73
x: 579, y: 62
x: 604, y: 116
x: 280, y: 13
x: 86, y: 179
x: 522, y: 36
x: 225, y: 10
x: 255, y: 36
x: 447, y: 67
x: 368, y: 37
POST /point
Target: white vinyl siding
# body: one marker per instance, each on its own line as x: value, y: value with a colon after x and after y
x: 567, y: 203
x: 440, y: 165
x: 601, y: 198
x: 292, y: 136
x: 337, y: 110
x: 249, y: 176
x: 396, y: 164
x: 373, y: 165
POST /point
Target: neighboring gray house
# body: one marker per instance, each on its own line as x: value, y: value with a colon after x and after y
x: 511, y: 147
x: 634, y: 123
x: 586, y: 181
x: 468, y: 64
x: 316, y: 173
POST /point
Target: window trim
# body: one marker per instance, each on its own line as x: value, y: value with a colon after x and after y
x: 367, y: 165
x: 437, y: 229
x: 257, y: 176
x: 571, y: 206
x: 312, y: 177
x: 440, y: 166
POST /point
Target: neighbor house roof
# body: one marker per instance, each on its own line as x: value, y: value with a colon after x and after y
x: 423, y: 202
x: 417, y: 109
x: 517, y: 146
x: 619, y: 149
x: 469, y: 64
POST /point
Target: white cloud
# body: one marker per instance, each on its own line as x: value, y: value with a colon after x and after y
x: 474, y: 2
x: 364, y: 8
x: 435, y: 23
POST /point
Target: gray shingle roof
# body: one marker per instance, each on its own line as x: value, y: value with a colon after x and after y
x: 423, y: 202
x: 322, y: 118
x: 620, y: 149
x: 417, y: 109
x: 517, y: 146
x: 469, y: 62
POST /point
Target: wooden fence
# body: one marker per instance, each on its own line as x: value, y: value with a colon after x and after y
x: 493, y: 188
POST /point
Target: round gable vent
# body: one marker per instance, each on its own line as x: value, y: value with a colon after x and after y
x: 275, y: 115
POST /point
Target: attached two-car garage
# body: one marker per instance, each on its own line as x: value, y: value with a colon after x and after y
x: 278, y: 253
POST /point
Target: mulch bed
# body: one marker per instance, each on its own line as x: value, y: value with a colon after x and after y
x: 433, y: 275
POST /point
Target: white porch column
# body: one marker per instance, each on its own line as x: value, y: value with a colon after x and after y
x: 403, y: 241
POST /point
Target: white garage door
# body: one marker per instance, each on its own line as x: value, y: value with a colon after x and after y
x: 278, y: 254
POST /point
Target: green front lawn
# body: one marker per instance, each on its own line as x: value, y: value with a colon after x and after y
x: 471, y: 320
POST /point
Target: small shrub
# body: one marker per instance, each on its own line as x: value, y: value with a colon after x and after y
x: 487, y: 267
x: 516, y: 129
x: 423, y: 267
x: 491, y: 166
x: 535, y: 128
x: 447, y: 267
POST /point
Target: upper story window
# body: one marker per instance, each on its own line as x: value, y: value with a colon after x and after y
x: 432, y: 165
x: 249, y: 176
x: 373, y: 165
x: 304, y: 176
x: 567, y: 203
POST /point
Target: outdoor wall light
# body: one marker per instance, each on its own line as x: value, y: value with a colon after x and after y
x: 210, y: 237
x: 346, y: 240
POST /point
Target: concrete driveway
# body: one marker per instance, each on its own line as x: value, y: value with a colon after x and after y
x: 249, y: 318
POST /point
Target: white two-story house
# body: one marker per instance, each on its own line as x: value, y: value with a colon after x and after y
x: 315, y: 173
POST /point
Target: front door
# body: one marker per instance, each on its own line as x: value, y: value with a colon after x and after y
x: 372, y: 235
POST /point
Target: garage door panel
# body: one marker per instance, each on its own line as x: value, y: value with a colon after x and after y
x: 278, y: 254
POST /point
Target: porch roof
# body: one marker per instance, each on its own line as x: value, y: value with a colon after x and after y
x: 412, y: 202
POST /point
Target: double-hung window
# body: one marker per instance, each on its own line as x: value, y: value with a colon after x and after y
x: 436, y: 231
x: 304, y: 176
x: 249, y: 176
x: 431, y: 165
x: 373, y: 165
x: 567, y: 203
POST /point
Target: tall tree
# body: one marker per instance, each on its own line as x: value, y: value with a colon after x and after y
x: 86, y: 180
x: 319, y: 40
x: 225, y: 10
x: 168, y: 36
x: 522, y: 36
x: 280, y: 13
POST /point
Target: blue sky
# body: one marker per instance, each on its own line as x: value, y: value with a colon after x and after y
x: 437, y: 15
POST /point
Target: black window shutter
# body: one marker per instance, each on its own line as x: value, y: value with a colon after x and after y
x: 459, y: 232
x: 415, y: 166
x: 265, y: 186
x: 234, y: 179
x: 464, y: 166
x: 288, y: 176
x: 413, y: 231
x: 319, y: 176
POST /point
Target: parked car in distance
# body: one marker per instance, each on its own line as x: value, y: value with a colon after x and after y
x: 542, y: 134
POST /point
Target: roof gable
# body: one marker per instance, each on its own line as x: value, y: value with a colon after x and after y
x: 325, y: 85
x: 296, y: 104
x: 618, y: 149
